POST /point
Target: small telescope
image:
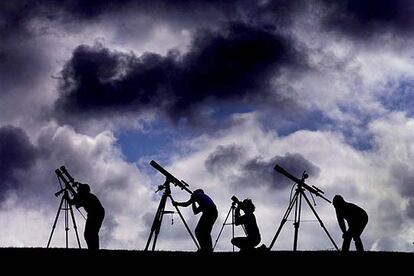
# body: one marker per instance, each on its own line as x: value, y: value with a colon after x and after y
x: 235, y: 199
x: 170, y: 178
x: 69, y: 181
x: 301, y: 182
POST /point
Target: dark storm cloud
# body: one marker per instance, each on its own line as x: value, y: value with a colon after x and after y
x: 223, y: 157
x: 91, y: 9
x: 19, y: 53
x: 258, y: 172
x: 234, y: 63
x: 366, y: 17
x: 16, y: 153
x: 70, y: 11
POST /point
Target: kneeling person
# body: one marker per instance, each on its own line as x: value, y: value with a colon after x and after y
x: 248, y: 220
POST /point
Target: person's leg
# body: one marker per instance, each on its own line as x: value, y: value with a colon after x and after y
x: 203, y: 231
x: 240, y: 242
x: 88, y: 233
x: 346, y: 243
x: 210, y: 220
x: 358, y: 244
x: 200, y: 234
x: 92, y: 227
x: 355, y: 232
x: 98, y: 227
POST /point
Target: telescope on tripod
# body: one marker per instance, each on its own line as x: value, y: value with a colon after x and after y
x: 296, y: 201
x: 66, y: 189
x: 233, y: 206
x: 166, y: 187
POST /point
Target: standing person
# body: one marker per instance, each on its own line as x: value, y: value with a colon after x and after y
x: 201, y: 202
x: 356, y: 219
x: 95, y: 214
x: 248, y: 221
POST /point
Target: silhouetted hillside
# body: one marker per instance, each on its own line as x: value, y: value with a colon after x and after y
x: 80, y: 261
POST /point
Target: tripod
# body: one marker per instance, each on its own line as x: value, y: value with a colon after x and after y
x: 231, y: 211
x: 156, y: 225
x: 297, y: 202
x: 64, y: 205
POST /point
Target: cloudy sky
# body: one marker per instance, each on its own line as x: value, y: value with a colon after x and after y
x: 217, y: 92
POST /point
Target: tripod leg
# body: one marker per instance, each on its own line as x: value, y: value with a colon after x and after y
x: 221, y: 230
x: 74, y: 225
x: 298, y: 207
x: 54, y: 223
x: 286, y: 215
x: 233, y: 218
x: 66, y: 204
x: 320, y: 221
x: 156, y: 224
x: 185, y: 224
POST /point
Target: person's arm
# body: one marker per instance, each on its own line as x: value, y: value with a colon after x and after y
x: 196, y: 209
x: 341, y: 221
x: 183, y: 204
x: 238, y: 219
x: 75, y: 201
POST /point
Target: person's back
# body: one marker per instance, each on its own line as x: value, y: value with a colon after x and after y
x: 91, y: 204
x: 352, y: 213
x: 205, y: 202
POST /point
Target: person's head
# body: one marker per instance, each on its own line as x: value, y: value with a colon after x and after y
x: 83, y: 188
x: 338, y: 201
x: 247, y: 206
x: 198, y: 192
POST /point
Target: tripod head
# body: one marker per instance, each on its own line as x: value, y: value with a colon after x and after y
x: 164, y: 187
x: 301, y: 182
x: 304, y: 176
x: 170, y: 178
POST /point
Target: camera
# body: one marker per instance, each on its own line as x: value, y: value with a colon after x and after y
x: 235, y: 200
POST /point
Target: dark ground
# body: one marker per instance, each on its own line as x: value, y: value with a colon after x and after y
x: 79, y: 261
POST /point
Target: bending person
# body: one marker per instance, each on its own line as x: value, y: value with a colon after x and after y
x: 201, y: 202
x: 356, y: 219
x: 248, y: 221
x: 95, y: 211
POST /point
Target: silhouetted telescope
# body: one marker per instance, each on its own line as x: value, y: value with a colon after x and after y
x: 301, y: 182
x: 170, y: 178
x: 69, y: 181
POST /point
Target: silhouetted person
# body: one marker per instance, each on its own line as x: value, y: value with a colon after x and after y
x: 95, y: 211
x: 248, y: 221
x: 200, y: 202
x: 356, y: 219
